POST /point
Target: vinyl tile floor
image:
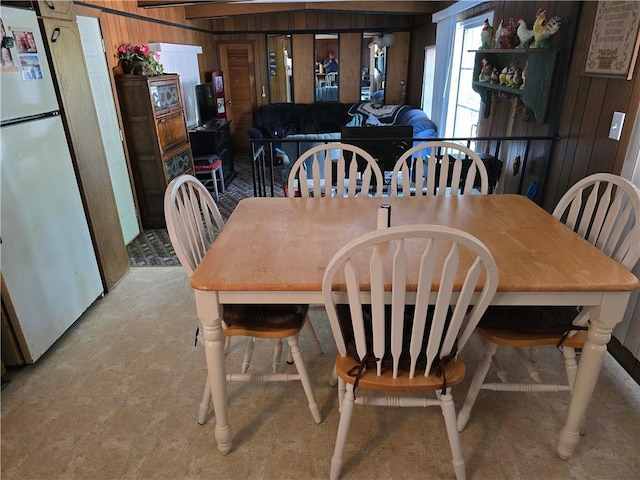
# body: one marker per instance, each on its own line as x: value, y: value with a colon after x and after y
x: 117, y: 398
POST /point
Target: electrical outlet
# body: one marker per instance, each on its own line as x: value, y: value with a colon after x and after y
x: 616, y: 126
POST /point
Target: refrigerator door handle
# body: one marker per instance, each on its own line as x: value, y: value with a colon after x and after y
x: 55, y: 35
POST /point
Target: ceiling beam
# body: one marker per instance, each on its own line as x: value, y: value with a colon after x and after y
x: 200, y: 11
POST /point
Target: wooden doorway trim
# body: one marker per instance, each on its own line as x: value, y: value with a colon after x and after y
x: 238, y: 67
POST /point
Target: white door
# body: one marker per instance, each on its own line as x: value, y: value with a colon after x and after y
x: 104, y: 102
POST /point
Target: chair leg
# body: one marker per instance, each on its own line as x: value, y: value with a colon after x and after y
x: 215, y: 184
x: 248, y: 353
x: 476, y: 384
x: 309, y: 327
x: 500, y: 371
x: 570, y: 365
x: 449, y: 414
x: 227, y: 344
x: 314, y: 338
x: 333, y: 380
x: 304, y: 377
x: 277, y: 356
x: 222, y: 188
x: 343, y: 429
x: 342, y: 389
x: 527, y: 360
x: 205, y: 404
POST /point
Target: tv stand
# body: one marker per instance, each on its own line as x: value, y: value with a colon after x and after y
x: 214, y: 137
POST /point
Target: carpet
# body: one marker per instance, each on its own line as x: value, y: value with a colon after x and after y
x: 153, y: 247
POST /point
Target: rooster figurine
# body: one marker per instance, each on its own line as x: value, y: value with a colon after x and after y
x: 543, y: 29
x: 485, y: 71
x: 486, y: 36
x: 524, y: 34
x: 509, y: 37
x: 495, y: 75
x: 499, y: 30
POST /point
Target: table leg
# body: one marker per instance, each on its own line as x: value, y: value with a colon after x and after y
x: 603, y: 319
x: 210, y: 314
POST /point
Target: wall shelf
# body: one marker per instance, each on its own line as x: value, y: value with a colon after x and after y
x: 540, y: 63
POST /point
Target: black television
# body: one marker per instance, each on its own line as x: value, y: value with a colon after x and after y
x: 384, y: 143
x: 206, y: 103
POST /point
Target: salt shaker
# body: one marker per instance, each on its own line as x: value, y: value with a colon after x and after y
x: 384, y: 216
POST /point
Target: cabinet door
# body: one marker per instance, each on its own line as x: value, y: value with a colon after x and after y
x: 165, y: 95
x: 178, y: 164
x: 60, y: 9
x: 172, y: 131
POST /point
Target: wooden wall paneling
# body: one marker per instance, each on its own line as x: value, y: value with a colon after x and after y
x: 349, y: 77
x: 605, y: 151
x: 588, y: 130
x: 303, y: 70
x: 396, y: 68
x: 90, y: 162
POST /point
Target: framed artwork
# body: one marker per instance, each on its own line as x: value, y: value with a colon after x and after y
x: 614, y: 40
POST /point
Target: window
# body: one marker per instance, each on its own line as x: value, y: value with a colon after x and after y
x: 427, y: 80
x: 463, y: 105
x: 451, y: 63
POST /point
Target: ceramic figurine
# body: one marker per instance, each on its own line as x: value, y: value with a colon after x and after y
x: 485, y: 71
x: 509, y: 37
x: 499, y: 30
x: 495, y: 75
x: 524, y: 34
x: 543, y: 29
x: 486, y: 36
x: 503, y: 76
x: 524, y: 76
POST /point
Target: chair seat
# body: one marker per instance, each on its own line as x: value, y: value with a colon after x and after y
x: 208, y: 167
x: 454, y: 373
x: 511, y: 338
x: 265, y: 318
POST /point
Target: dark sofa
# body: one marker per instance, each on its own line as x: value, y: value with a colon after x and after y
x: 281, y: 119
x: 308, y: 124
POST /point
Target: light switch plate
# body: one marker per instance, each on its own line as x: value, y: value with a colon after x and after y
x: 616, y: 126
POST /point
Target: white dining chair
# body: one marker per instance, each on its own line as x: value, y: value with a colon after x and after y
x: 193, y: 222
x: 335, y: 170
x: 405, y: 340
x: 439, y: 168
x: 605, y: 210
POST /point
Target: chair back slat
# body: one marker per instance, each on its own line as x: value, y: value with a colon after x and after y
x: 430, y: 267
x: 354, y: 172
x: 609, y: 218
x: 193, y: 220
x: 439, y: 168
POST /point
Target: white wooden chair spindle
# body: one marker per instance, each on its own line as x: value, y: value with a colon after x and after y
x: 349, y: 182
x: 417, y: 170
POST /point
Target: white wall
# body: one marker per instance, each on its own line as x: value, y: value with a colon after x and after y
x: 183, y: 60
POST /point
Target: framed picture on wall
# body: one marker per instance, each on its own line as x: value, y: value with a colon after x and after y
x: 615, y: 40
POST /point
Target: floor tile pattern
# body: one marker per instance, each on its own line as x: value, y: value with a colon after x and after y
x: 117, y: 398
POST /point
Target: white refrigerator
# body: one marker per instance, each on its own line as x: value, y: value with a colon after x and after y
x: 47, y: 258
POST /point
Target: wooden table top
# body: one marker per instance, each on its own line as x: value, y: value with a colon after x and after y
x: 284, y: 244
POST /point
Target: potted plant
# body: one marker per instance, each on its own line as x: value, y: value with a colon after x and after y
x: 139, y: 60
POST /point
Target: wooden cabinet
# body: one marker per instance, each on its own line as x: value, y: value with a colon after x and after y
x: 215, y: 138
x: 540, y: 63
x: 156, y: 133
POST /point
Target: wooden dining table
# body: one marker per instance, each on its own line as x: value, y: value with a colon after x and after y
x: 275, y: 250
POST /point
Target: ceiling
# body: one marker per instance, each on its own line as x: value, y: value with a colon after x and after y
x: 199, y: 10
